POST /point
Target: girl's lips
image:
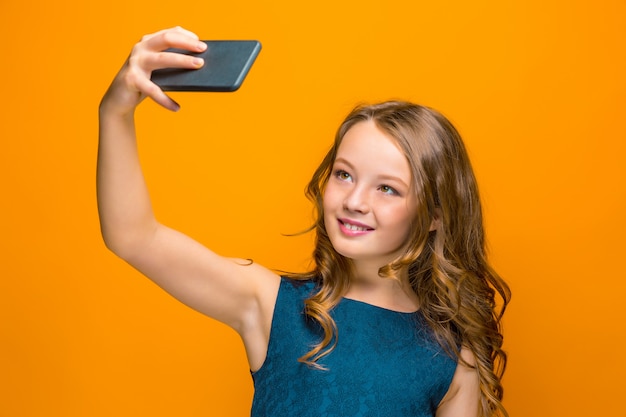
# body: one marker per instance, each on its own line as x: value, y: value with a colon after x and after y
x: 353, y: 228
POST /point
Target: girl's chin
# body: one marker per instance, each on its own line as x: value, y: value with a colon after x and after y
x: 359, y: 258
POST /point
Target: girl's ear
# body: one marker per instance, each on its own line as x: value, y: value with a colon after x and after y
x: 436, y: 222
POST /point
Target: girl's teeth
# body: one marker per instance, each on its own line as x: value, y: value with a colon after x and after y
x: 355, y: 228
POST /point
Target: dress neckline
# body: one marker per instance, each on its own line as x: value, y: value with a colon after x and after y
x: 366, y: 304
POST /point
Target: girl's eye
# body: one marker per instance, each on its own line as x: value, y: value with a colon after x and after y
x: 388, y: 190
x: 343, y: 175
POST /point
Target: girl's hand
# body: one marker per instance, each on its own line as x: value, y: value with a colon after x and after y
x: 132, y: 83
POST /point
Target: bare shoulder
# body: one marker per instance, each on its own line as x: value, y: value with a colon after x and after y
x: 263, y: 281
x: 463, y: 396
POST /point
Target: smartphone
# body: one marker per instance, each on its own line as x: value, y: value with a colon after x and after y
x: 226, y: 64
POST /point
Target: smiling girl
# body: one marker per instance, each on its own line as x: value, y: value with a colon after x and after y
x: 397, y: 317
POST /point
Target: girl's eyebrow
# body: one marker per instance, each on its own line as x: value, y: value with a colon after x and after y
x: 343, y: 161
x: 385, y: 177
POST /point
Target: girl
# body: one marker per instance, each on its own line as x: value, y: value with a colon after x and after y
x: 397, y: 318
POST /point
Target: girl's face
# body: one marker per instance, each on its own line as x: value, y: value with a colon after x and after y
x: 369, y: 201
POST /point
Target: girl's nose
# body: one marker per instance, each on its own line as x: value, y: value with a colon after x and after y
x: 357, y: 200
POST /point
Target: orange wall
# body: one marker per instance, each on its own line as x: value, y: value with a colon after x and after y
x: 536, y: 87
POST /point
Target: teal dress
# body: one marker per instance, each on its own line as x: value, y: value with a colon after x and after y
x: 385, y: 364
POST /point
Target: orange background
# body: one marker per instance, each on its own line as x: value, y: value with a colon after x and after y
x: 537, y: 88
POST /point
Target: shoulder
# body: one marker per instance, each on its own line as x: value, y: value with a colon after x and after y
x: 296, y: 285
x: 292, y: 293
x: 463, y: 396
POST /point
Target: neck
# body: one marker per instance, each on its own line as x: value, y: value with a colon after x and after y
x: 392, y: 293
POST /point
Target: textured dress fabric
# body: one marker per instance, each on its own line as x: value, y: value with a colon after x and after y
x: 385, y: 364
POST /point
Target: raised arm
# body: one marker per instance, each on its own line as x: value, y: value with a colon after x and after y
x: 229, y: 290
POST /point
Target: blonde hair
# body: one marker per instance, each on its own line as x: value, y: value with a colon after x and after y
x: 447, y: 267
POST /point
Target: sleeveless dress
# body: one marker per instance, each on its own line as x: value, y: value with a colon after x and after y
x: 385, y: 364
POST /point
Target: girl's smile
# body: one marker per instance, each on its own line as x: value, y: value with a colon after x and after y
x: 353, y: 228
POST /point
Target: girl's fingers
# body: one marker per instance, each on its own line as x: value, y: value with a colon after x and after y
x: 150, y: 89
x: 172, y: 38
x: 176, y: 29
x: 133, y: 84
x: 149, y: 54
x: 140, y: 69
x: 170, y: 60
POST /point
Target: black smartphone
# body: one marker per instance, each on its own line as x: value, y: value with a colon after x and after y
x: 226, y: 64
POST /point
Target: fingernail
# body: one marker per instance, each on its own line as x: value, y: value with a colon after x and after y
x: 198, y: 62
x: 202, y: 46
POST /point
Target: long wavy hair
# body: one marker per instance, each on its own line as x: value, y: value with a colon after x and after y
x: 447, y: 267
